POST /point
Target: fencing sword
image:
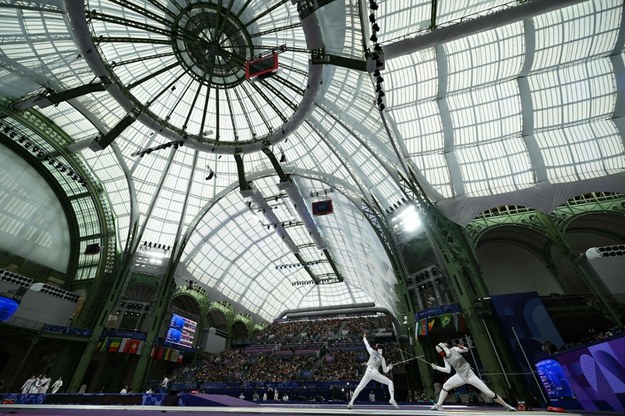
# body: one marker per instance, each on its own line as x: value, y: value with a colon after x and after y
x: 423, y: 359
x: 410, y: 359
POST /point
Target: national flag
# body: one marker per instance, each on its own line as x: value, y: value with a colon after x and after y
x: 105, y: 344
x: 431, y: 323
x: 180, y: 357
x: 123, y: 347
x: 423, y: 327
x: 459, y: 322
x: 445, y: 320
x: 133, y: 346
x: 114, y: 345
x: 174, y: 356
x: 160, y: 353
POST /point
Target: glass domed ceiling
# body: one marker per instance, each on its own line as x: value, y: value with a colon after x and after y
x: 183, y: 64
x: 501, y: 103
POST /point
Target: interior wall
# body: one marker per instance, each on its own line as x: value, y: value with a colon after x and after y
x: 510, y: 268
x: 32, y: 221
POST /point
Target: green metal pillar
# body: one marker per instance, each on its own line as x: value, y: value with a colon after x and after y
x: 555, y: 232
x: 406, y: 303
x: 113, y: 293
x: 456, y: 254
x: 25, y: 358
x: 165, y: 290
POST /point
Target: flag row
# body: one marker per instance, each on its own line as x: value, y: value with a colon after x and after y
x: 443, y: 323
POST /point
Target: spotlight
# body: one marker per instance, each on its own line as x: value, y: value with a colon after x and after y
x: 376, y: 73
x: 372, y: 18
x: 381, y: 106
x: 375, y: 27
x: 379, y: 79
x: 373, y: 5
x: 381, y: 94
x: 373, y: 38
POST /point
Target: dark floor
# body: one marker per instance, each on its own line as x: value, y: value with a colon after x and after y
x: 281, y: 409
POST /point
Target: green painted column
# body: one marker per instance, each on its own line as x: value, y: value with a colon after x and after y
x: 553, y: 229
x: 166, y: 289
x: 20, y: 369
x: 112, y: 293
x: 456, y: 254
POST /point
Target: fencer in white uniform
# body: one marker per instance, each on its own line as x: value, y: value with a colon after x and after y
x: 373, y: 373
x: 464, y: 375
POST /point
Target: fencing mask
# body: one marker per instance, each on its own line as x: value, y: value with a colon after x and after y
x: 442, y: 349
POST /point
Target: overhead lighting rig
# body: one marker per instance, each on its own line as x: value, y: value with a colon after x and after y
x: 175, y: 144
x: 40, y: 153
x: 149, y: 245
x: 322, y: 193
x: 377, y: 55
x: 298, y: 265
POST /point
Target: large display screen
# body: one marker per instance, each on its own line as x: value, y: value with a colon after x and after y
x: 181, y: 331
x: 553, y: 379
x: 590, y: 377
x: 261, y: 66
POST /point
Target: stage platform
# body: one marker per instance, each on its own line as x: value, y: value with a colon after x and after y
x: 273, y: 409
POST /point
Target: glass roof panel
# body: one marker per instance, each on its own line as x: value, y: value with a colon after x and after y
x: 405, y: 18
x: 448, y: 11
x: 581, y: 151
x: 577, y: 33
x: 342, y: 34
x: 486, y: 57
x: 573, y: 94
x: 170, y: 72
x: 485, y: 114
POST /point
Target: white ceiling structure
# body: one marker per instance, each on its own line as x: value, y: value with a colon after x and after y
x: 503, y: 103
